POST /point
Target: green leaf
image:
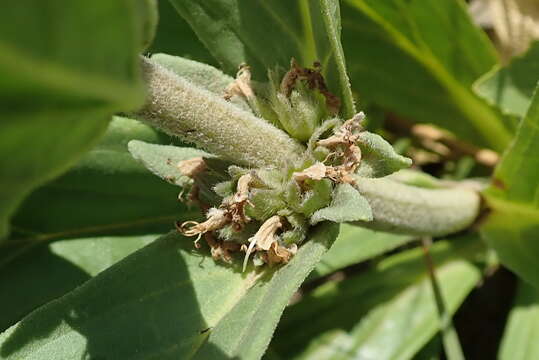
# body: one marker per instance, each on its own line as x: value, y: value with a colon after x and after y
x: 511, y: 88
x: 519, y: 340
x: 170, y: 28
x: 378, y: 158
x: 347, y: 204
x: 512, y: 227
x: 51, y: 270
x: 162, y: 160
x: 355, y: 245
x: 401, y: 56
x: 106, y: 192
x: 236, y: 32
x: 388, y: 311
x: 149, y: 19
x: 56, y: 100
x: 178, y: 306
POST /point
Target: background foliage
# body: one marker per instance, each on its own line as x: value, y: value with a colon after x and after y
x: 89, y: 267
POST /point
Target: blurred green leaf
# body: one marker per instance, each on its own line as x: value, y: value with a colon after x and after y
x: 106, y: 192
x: 179, y: 305
x: 385, y: 313
x: 236, y: 32
x: 149, y: 18
x: 354, y: 245
x: 174, y: 36
x: 419, y: 59
x: 511, y: 88
x: 56, y: 97
x: 522, y: 331
x: 51, y: 270
x: 512, y: 228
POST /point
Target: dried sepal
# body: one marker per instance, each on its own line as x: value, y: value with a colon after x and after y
x: 313, y: 172
x: 192, y: 167
x: 242, y: 85
x: 278, y: 254
x: 216, y: 219
x: 235, y: 207
x: 314, y: 80
x: 221, y: 250
x: 264, y: 237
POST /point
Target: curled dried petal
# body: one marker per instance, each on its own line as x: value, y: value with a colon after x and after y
x: 217, y: 218
x: 314, y: 172
x: 264, y: 237
x: 242, y: 85
x: 192, y: 167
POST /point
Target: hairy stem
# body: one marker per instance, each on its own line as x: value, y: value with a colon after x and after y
x: 198, y: 116
x: 406, y: 209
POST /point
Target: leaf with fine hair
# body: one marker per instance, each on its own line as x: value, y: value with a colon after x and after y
x: 113, y: 193
x: 223, y: 312
x: 378, y: 158
x: 347, y: 204
x: 48, y: 271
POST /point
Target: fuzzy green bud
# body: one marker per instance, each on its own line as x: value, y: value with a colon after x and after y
x: 196, y: 115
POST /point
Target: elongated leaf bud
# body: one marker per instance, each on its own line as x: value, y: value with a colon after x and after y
x: 401, y: 208
x: 196, y: 115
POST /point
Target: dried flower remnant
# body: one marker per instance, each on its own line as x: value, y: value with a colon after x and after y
x: 221, y: 250
x: 278, y: 254
x: 236, y: 207
x: 216, y: 219
x: 192, y: 167
x: 264, y: 237
x: 314, y: 80
x: 242, y: 85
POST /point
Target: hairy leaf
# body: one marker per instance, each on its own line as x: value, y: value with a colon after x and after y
x: 179, y: 305
x: 106, y: 192
x: 378, y: 158
x: 387, y: 312
x: 419, y: 59
x: 355, y: 245
x: 55, y: 99
x: 347, y: 204
x: 512, y: 227
x: 49, y: 271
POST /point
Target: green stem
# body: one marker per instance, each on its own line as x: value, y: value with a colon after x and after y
x: 198, y: 116
x: 450, y: 339
x: 406, y: 209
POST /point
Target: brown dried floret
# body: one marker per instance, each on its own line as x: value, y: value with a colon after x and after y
x: 264, y: 237
x: 242, y: 85
x: 278, y: 254
x: 216, y: 219
x: 192, y: 167
x: 221, y: 250
x: 314, y: 80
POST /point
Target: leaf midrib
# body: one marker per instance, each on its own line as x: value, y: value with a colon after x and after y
x: 488, y: 124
